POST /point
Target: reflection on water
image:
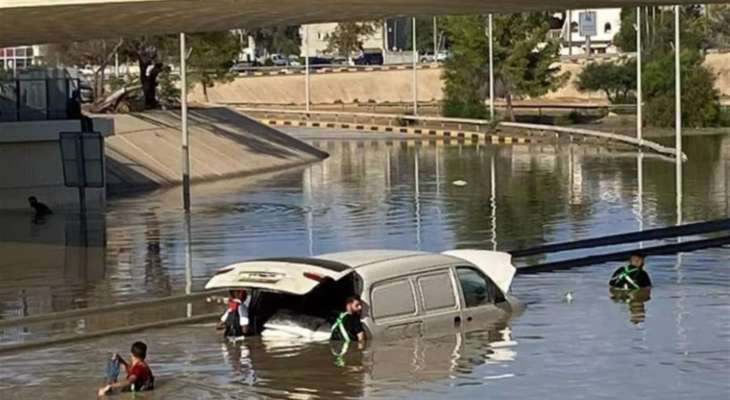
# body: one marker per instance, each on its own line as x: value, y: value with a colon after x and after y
x: 369, y: 195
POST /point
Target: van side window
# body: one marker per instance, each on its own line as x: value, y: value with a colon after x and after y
x: 478, y: 289
x: 437, y: 291
x: 392, y: 298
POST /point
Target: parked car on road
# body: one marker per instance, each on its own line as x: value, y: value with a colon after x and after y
x: 405, y: 293
x: 370, y: 58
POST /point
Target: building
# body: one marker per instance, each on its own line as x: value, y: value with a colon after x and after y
x: 608, y: 23
x: 21, y: 57
x: 318, y: 39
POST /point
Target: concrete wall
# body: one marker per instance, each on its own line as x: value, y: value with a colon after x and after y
x: 30, y: 165
x: 395, y: 86
x: 328, y: 88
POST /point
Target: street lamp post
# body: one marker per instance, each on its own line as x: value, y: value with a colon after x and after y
x: 639, y: 118
x: 415, y: 61
x: 184, y: 117
x: 678, y: 115
x: 491, y: 70
x: 306, y: 67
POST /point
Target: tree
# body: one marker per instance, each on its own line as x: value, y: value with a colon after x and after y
x: 700, y: 100
x: 279, y: 39
x: 149, y: 53
x: 465, y: 72
x: 211, y: 56
x: 616, y: 79
x: 719, y: 25
x: 95, y: 53
x: 347, y: 38
x: 525, y: 63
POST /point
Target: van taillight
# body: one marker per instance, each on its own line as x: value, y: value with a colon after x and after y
x: 313, y: 276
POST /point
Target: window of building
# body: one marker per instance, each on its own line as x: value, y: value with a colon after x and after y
x: 607, y: 27
x: 437, y: 292
x: 477, y: 288
x: 392, y: 299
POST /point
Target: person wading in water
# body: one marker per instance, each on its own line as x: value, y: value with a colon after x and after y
x: 632, y: 276
x: 348, y: 326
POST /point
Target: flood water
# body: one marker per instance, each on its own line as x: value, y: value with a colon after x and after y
x: 388, y: 195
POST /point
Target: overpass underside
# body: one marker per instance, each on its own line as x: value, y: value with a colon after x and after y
x: 53, y: 21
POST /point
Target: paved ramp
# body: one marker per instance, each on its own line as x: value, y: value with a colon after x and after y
x: 145, y: 151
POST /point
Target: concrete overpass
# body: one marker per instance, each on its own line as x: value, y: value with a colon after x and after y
x: 52, y: 21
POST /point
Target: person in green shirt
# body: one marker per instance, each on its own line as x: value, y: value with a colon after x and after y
x: 632, y: 276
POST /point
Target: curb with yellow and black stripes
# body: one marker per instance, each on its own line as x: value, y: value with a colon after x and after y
x: 480, y: 137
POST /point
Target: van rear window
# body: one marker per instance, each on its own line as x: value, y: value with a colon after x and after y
x: 392, y: 298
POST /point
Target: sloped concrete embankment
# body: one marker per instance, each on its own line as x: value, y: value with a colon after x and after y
x: 145, y: 151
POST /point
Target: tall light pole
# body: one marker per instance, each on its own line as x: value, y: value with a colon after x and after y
x: 415, y: 61
x: 435, y: 39
x: 570, y: 32
x: 491, y: 70
x: 639, y: 118
x: 678, y: 115
x: 184, y: 116
x: 306, y: 67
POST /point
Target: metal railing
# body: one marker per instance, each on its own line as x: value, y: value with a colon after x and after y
x: 39, y: 99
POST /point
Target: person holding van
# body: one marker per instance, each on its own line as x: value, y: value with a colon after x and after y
x: 348, y: 326
x: 234, y: 321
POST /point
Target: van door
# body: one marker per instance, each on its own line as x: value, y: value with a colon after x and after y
x: 440, y: 308
x: 478, y: 297
x: 393, y: 311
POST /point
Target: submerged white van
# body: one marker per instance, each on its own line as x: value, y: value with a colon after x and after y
x: 405, y: 293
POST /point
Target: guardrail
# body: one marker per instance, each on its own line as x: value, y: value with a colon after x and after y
x: 328, y: 68
x: 640, y: 143
x: 480, y: 126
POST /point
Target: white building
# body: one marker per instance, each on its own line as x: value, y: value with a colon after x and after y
x: 318, y: 43
x: 21, y: 57
x: 608, y: 23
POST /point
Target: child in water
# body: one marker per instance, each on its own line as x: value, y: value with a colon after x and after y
x: 139, y: 375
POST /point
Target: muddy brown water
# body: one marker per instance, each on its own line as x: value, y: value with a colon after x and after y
x: 374, y: 195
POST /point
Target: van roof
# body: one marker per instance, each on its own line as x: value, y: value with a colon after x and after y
x: 360, y: 258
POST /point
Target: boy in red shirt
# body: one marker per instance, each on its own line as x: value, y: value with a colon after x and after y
x: 139, y: 375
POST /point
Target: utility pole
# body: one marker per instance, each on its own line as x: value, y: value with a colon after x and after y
x: 570, y: 32
x: 415, y: 61
x: 639, y: 119
x: 491, y: 70
x: 435, y: 39
x: 184, y: 116
x: 306, y: 67
x: 678, y: 115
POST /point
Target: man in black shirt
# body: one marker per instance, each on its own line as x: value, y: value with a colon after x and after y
x: 632, y: 276
x: 348, y: 326
x: 41, y: 210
